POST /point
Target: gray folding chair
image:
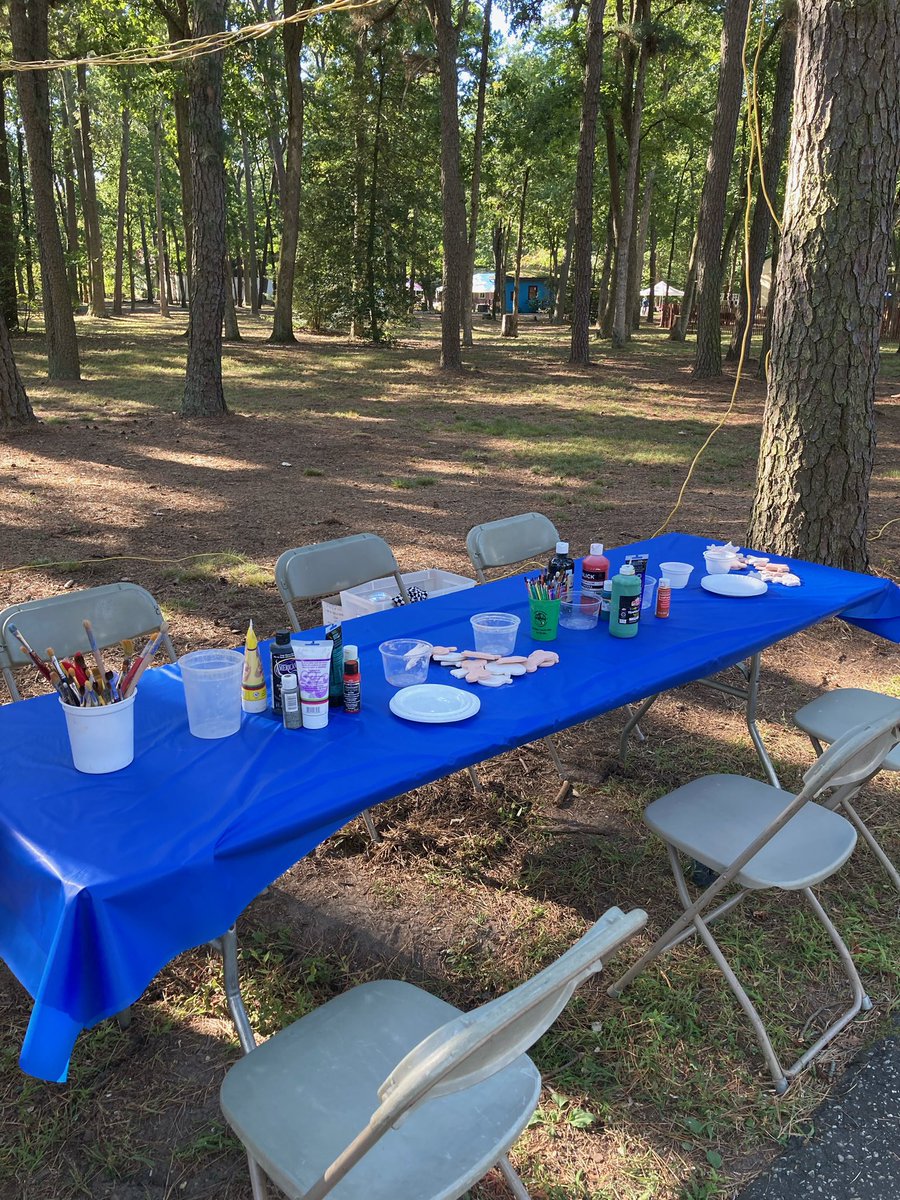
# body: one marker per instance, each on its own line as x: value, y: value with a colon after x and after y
x: 388, y: 1093
x: 116, y: 611
x: 758, y: 837
x: 509, y: 541
x: 826, y: 719
x: 310, y: 572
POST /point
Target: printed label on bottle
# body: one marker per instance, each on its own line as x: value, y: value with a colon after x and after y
x: 629, y: 610
x: 593, y: 580
x: 351, y: 697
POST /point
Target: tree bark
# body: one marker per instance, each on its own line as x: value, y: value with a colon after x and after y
x: 678, y: 332
x: 580, y: 349
x: 498, y: 300
x: 621, y: 330
x: 15, y: 410
x: 160, y: 227
x: 511, y: 328
x: 290, y: 181
x: 453, y: 202
x: 651, y: 298
x: 124, y: 147
x: 232, y: 331
x: 475, y: 193
x: 203, y: 392
x: 9, y: 307
x: 97, y: 306
x: 145, y: 254
x: 773, y: 157
x: 26, y: 217
x: 818, y: 437
x: 374, y: 310
x: 606, y: 270
x: 560, y: 300
x: 708, y: 359
x: 250, y: 208
x: 28, y: 29
x: 637, y: 265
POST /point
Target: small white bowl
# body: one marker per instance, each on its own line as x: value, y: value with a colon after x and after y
x: 718, y: 564
x: 677, y: 573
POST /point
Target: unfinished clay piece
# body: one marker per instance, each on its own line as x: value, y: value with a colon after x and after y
x: 441, y: 651
x: 502, y: 668
x: 541, y: 658
x: 493, y: 680
x: 480, y: 654
x: 512, y: 659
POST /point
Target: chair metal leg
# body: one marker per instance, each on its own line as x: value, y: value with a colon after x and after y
x: 560, y: 770
x: 258, y: 1187
x: 373, y: 833
x: 632, y: 726
x: 476, y: 779
x: 227, y: 947
x: 515, y: 1184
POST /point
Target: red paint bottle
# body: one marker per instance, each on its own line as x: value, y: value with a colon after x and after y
x: 595, y: 569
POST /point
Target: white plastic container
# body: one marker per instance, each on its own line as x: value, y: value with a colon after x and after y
x: 101, y: 738
x: 332, y: 610
x: 718, y: 563
x: 495, y: 632
x: 378, y: 595
x: 677, y: 573
x: 212, y: 691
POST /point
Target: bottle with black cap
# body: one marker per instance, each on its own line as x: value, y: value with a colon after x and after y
x: 282, y: 658
x: 561, y: 570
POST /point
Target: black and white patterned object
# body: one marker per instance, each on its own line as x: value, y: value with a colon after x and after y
x: 415, y: 593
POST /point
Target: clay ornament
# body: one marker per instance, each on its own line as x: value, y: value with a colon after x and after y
x: 449, y: 660
x: 511, y: 659
x: 480, y: 654
x: 493, y: 680
x: 442, y: 651
x: 508, y: 669
x: 541, y: 658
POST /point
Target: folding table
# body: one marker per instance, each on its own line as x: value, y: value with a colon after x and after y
x: 104, y: 879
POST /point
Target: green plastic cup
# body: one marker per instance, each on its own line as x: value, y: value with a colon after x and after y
x: 544, y: 619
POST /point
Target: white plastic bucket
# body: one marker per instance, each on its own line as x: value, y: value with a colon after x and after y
x: 212, y: 691
x: 101, y: 738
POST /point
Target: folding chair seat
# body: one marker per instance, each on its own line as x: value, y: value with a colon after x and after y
x: 388, y: 1093
x: 117, y: 611
x: 757, y: 836
x: 829, y: 716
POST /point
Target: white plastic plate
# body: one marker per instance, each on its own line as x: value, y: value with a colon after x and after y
x: 434, y: 703
x: 734, y: 585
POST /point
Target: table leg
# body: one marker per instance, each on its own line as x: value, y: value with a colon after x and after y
x: 750, y: 695
x: 227, y: 947
x: 632, y: 724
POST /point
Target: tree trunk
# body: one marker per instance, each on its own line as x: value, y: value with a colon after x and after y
x: 651, y: 298
x: 637, y: 270
x: 453, y: 203
x: 360, y: 91
x: 203, y: 393
x: 232, y: 331
x: 511, y: 328
x: 606, y: 271
x: 560, y: 300
x: 124, y: 147
x: 708, y: 360
x: 475, y: 195
x: 9, y: 308
x: 26, y: 217
x: 678, y: 332
x: 580, y: 350
x: 772, y: 160
x: 160, y: 227
x: 97, y: 306
x: 145, y: 254
x: 498, y: 301
x: 15, y: 411
x: 250, y: 209
x: 621, y: 330
x: 28, y: 29
x: 130, y: 243
x: 290, y: 186
x: 180, y: 293
x: 818, y: 437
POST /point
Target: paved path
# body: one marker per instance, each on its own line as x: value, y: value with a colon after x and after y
x: 854, y: 1151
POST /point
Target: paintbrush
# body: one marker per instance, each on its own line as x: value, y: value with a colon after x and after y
x: 95, y: 649
x: 128, y: 650
x: 90, y: 698
x: 140, y: 664
x: 62, y: 685
x: 81, y: 665
x: 31, y: 654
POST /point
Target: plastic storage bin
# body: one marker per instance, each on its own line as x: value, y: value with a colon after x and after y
x: 379, y: 594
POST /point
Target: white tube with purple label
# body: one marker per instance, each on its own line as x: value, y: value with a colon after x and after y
x: 313, y: 670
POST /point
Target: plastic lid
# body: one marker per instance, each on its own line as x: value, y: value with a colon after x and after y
x: 596, y: 547
x: 663, y: 582
x: 562, y: 547
x: 607, y: 585
x: 628, y: 569
x: 289, y: 682
x: 283, y: 637
x: 351, y: 652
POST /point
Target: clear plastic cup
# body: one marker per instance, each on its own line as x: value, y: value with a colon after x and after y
x: 579, y: 610
x: 677, y: 573
x: 649, y: 589
x: 405, y: 661
x: 212, y: 691
x: 495, y: 632
x: 101, y: 738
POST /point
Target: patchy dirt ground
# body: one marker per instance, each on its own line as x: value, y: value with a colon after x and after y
x: 468, y: 892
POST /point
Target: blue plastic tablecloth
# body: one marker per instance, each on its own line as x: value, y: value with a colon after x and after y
x: 104, y: 879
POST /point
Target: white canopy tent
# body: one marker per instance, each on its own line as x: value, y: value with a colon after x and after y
x: 660, y: 289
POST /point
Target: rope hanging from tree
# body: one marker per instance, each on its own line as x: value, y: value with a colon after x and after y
x: 166, y: 53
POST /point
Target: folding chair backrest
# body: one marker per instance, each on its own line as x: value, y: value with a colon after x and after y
x: 856, y: 756
x: 309, y: 572
x: 476, y: 1045
x: 510, y: 540
x: 116, y: 611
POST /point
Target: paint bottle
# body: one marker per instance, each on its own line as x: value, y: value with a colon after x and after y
x: 663, y: 597
x: 561, y: 570
x: 290, y: 702
x: 605, y: 600
x: 352, y: 694
x: 595, y: 569
x: 282, y: 658
x: 625, y: 606
x: 334, y: 634
x: 254, y: 697
x: 639, y: 562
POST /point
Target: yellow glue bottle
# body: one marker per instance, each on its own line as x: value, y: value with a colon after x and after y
x: 254, y: 697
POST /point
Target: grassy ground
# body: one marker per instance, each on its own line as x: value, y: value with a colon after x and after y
x: 660, y: 1095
